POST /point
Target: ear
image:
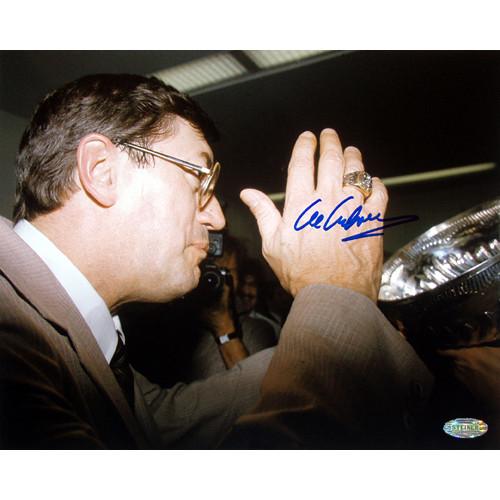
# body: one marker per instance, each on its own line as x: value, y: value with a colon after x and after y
x: 97, y: 168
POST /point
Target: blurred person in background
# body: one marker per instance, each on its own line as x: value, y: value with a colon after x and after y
x: 223, y: 337
x: 253, y: 295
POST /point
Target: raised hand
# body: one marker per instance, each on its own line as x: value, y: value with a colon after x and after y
x: 308, y: 249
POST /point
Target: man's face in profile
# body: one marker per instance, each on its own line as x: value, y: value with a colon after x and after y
x: 169, y: 232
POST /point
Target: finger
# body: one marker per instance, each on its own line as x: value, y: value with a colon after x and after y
x: 300, y: 180
x: 353, y: 163
x: 331, y: 163
x: 353, y: 160
x: 377, y: 201
x: 267, y: 215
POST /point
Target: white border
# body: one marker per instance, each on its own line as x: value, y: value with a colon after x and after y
x: 260, y: 24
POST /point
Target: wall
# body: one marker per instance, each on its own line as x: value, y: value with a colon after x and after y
x: 11, y: 129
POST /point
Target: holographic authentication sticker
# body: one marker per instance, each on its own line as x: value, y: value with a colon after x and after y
x: 467, y: 428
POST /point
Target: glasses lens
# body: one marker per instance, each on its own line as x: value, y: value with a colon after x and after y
x: 208, y: 185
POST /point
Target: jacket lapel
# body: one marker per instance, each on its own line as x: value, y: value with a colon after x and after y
x: 29, y: 274
x: 142, y: 411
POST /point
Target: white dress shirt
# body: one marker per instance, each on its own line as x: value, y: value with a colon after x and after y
x: 90, y: 304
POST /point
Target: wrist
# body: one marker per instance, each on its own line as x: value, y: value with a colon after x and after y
x: 370, y: 291
x: 222, y: 325
x: 227, y: 337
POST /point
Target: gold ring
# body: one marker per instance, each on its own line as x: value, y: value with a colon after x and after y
x: 361, y: 180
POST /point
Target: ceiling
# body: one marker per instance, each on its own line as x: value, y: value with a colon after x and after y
x: 407, y: 111
x: 26, y: 76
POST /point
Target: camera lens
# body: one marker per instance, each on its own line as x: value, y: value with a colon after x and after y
x: 211, y: 280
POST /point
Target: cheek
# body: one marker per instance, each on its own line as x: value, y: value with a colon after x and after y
x: 178, y: 229
x: 167, y: 219
x: 175, y: 207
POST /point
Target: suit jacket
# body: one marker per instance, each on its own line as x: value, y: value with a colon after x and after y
x: 57, y: 390
x: 206, y: 360
x: 341, y: 376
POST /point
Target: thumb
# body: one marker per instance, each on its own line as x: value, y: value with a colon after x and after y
x: 264, y: 210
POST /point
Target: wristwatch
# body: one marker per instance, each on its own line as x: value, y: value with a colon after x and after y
x: 224, y: 339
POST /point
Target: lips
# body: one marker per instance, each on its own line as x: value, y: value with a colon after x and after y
x: 203, y: 246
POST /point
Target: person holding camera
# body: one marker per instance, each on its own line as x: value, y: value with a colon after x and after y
x: 114, y: 202
x: 255, y: 295
x: 223, y: 338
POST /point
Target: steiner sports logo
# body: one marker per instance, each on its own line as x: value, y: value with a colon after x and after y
x: 465, y: 428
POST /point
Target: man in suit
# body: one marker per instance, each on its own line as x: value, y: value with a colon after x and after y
x: 114, y: 201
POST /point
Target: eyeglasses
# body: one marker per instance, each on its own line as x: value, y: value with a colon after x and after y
x: 208, y: 176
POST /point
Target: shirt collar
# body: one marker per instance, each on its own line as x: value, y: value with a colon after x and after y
x: 90, y: 304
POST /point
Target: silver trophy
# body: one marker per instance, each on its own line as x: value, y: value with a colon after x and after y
x: 442, y: 289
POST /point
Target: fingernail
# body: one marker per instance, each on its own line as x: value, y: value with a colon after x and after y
x: 328, y: 131
x: 307, y: 135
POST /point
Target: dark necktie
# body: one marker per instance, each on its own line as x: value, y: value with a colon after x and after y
x: 121, y: 368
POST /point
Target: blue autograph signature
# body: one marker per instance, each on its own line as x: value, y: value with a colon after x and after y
x: 355, y: 218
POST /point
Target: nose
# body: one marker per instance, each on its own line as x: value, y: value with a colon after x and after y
x: 211, y: 215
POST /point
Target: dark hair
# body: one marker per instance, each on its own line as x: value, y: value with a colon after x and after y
x: 253, y: 267
x: 233, y: 246
x: 125, y: 108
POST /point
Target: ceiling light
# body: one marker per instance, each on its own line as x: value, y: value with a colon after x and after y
x: 437, y: 174
x: 272, y: 58
x: 421, y: 177
x: 201, y: 72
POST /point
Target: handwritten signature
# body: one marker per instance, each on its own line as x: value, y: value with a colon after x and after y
x: 355, y: 218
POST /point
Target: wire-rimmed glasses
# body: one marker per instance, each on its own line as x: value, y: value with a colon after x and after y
x: 208, y: 176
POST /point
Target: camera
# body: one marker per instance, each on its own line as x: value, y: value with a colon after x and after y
x: 215, y: 244
x: 213, y: 277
